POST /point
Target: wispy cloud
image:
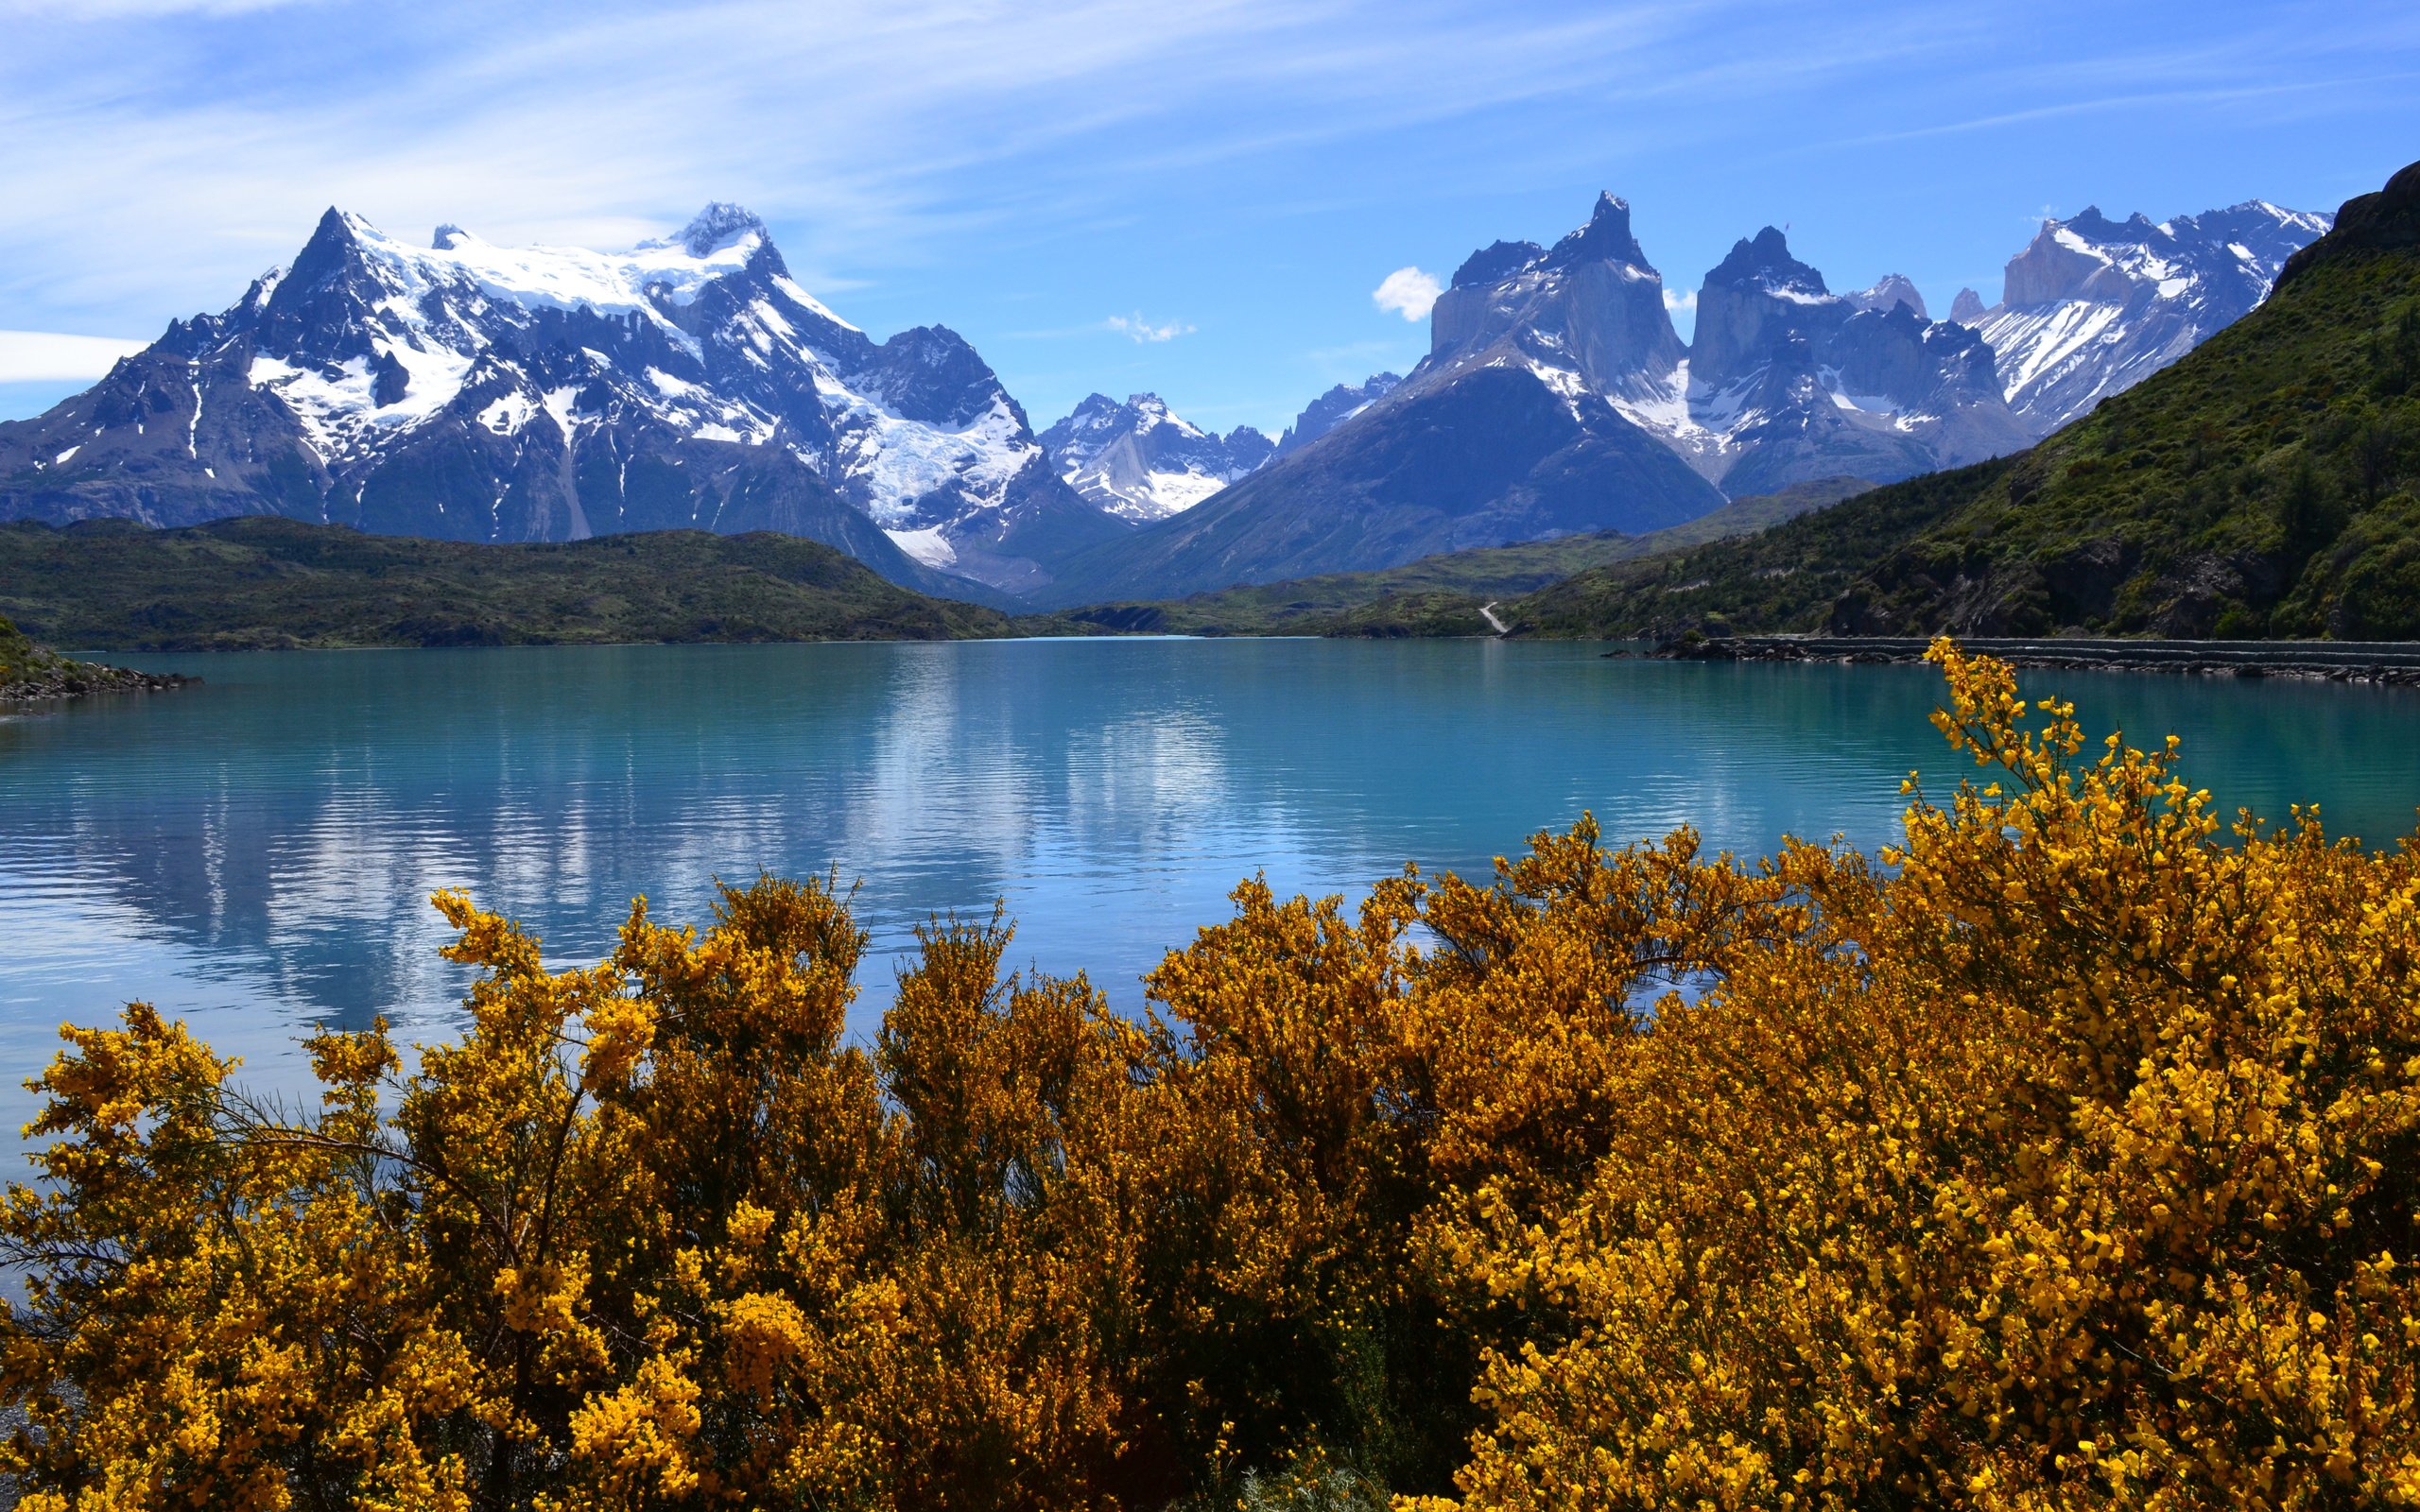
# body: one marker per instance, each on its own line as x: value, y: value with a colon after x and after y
x: 34, y: 356
x: 1677, y: 301
x: 874, y: 135
x: 1407, y: 292
x: 977, y: 161
x: 115, y: 9
x: 2135, y: 100
x: 1136, y: 328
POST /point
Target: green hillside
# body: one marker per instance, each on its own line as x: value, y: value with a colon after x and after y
x: 20, y: 658
x: 1442, y: 595
x: 2266, y: 485
x: 267, y: 582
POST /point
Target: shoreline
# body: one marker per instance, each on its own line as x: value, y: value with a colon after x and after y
x: 2385, y: 663
x: 80, y: 679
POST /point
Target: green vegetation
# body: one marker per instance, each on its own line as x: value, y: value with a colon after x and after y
x: 1442, y: 595
x: 267, y: 582
x: 270, y: 582
x: 1786, y: 577
x: 20, y: 658
x: 2266, y: 485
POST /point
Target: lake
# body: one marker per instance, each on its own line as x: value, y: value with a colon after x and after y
x: 255, y: 854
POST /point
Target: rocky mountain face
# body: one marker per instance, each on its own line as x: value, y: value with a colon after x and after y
x: 1140, y: 461
x: 1333, y: 409
x: 1509, y: 430
x: 1787, y: 382
x: 2094, y: 306
x: 1587, y: 313
x: 1784, y: 381
x: 474, y: 392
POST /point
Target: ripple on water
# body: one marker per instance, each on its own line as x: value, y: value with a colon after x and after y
x: 256, y: 853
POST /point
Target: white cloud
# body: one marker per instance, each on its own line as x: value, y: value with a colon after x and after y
x: 1409, y: 292
x: 1137, y: 329
x: 1679, y: 303
x: 37, y: 356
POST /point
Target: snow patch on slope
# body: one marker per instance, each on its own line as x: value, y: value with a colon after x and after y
x: 929, y: 546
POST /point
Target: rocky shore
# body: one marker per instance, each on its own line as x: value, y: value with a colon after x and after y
x: 74, y: 680
x: 28, y: 673
x: 2389, y: 663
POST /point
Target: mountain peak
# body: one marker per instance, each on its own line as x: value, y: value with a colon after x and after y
x: 338, y: 227
x: 1765, y: 259
x: 1606, y: 238
x: 448, y: 237
x: 719, y: 225
x: 1888, y: 293
x: 337, y: 244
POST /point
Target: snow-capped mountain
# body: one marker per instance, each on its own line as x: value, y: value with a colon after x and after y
x: 1784, y: 382
x: 473, y: 391
x: 1140, y: 461
x: 2094, y: 306
x: 1333, y: 409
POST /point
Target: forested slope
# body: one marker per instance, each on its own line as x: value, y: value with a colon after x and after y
x: 261, y: 581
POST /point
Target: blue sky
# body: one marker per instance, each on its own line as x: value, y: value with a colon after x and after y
x: 1198, y: 198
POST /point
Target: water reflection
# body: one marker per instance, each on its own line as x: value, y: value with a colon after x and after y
x: 256, y: 853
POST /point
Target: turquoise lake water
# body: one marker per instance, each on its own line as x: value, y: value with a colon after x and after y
x: 255, y: 854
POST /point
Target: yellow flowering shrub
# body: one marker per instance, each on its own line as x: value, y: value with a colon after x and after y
x: 2062, y: 1156
x: 2066, y: 1159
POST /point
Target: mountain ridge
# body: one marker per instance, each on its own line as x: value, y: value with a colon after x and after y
x: 2267, y: 484
x: 471, y: 391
